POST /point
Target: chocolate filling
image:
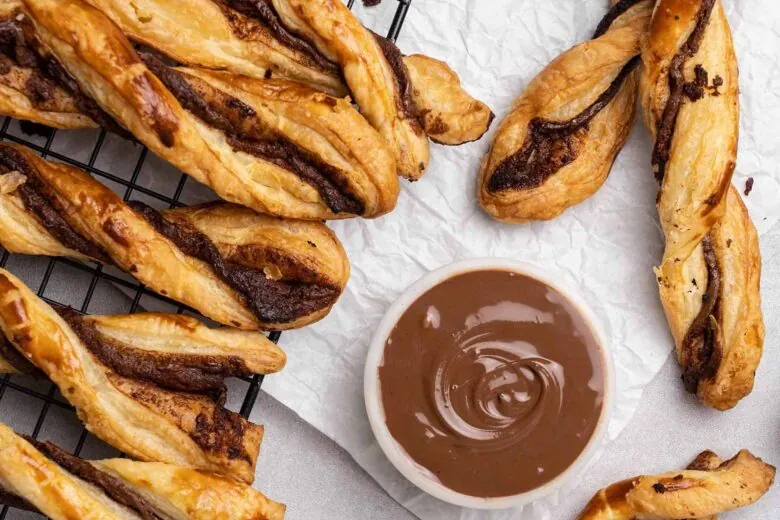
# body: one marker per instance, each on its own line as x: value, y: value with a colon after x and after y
x: 677, y: 88
x: 18, y: 46
x: 701, y: 352
x: 17, y: 360
x: 179, y: 372
x: 264, y: 12
x: 272, y: 301
x: 38, y: 199
x: 395, y: 59
x: 616, y: 12
x: 238, y: 121
x: 115, y: 488
x: 551, y: 145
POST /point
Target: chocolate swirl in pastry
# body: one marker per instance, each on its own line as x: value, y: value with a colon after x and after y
x: 708, y: 487
x: 34, y: 86
x: 235, y: 266
x: 709, y: 277
x: 448, y: 114
x: 128, y: 378
x: 374, y: 71
x: 274, y: 146
x: 41, y: 477
x: 556, y: 148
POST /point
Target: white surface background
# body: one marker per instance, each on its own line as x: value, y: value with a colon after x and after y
x: 435, y: 224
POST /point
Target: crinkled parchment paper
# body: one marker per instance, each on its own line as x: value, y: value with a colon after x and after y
x: 606, y: 246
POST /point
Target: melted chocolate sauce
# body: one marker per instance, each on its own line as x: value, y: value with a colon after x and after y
x: 616, y: 12
x: 190, y: 373
x: 237, y: 120
x: 551, y: 145
x: 493, y: 382
x: 116, y: 489
x: 677, y: 84
x: 701, y: 352
x: 272, y: 301
x: 41, y: 202
x: 264, y: 12
x: 18, y: 46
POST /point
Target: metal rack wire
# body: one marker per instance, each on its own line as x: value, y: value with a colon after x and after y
x: 130, y: 188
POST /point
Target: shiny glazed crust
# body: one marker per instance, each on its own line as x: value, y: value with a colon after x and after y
x: 335, y: 31
x: 58, y: 111
x: 697, y: 202
x: 207, y: 33
x: 565, y: 88
x: 181, y: 493
x: 707, y: 488
x: 238, y: 44
x: 307, y: 252
x: 108, y: 70
x: 138, y: 418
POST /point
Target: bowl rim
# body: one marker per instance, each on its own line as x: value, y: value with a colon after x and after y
x: 402, y: 461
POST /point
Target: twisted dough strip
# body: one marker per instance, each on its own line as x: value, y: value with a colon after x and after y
x: 448, y: 114
x: 276, y: 146
x: 708, y: 487
x: 557, y: 146
x: 63, y: 487
x: 233, y: 265
x: 709, y: 277
x: 133, y: 396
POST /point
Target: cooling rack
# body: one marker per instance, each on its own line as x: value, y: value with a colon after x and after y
x: 84, y: 280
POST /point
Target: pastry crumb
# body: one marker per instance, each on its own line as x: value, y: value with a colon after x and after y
x: 749, y: 185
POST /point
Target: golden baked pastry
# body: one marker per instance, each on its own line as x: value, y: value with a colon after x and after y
x: 276, y: 147
x: 158, y: 398
x: 708, y: 487
x: 247, y: 37
x: 374, y: 71
x: 556, y: 147
x: 41, y: 477
x: 35, y: 88
x: 235, y: 266
x: 709, y: 277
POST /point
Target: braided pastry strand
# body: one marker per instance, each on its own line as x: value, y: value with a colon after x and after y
x: 708, y: 487
x: 238, y: 41
x: 709, y: 277
x: 41, y: 477
x: 556, y: 148
x: 156, y: 398
x: 235, y: 266
x: 274, y: 146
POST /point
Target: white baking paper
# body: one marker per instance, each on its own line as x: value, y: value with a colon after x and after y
x: 605, y: 247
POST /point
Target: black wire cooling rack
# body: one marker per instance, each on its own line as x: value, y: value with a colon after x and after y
x: 131, y: 186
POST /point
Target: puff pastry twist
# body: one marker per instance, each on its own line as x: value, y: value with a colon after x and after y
x: 708, y: 487
x: 41, y: 477
x: 709, y: 277
x: 275, y: 146
x: 249, y: 37
x: 149, y: 385
x: 556, y: 148
x: 233, y: 265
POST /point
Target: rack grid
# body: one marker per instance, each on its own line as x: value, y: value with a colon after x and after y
x: 129, y: 188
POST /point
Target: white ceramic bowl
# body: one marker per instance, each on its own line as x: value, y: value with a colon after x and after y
x: 420, y: 476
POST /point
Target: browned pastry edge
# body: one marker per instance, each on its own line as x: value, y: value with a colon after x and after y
x: 708, y: 487
x: 243, y: 269
x: 557, y: 145
x: 41, y: 477
x: 143, y: 420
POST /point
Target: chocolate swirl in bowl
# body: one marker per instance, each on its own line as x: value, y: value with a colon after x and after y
x: 493, y: 382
